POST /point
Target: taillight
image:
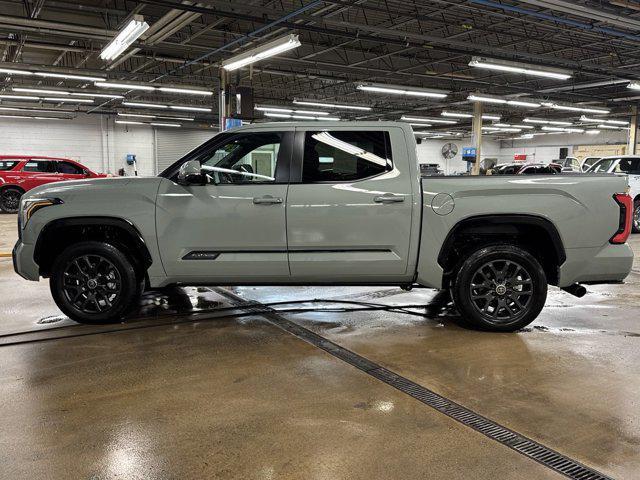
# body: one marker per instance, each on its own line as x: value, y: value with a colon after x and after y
x: 625, y: 202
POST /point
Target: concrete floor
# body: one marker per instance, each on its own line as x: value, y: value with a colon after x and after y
x: 235, y: 397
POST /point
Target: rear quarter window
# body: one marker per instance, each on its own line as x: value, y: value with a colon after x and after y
x: 7, y: 164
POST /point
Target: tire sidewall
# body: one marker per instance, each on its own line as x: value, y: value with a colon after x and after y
x: 130, y: 284
x: 484, y: 255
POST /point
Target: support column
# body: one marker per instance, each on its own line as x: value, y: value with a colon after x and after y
x: 222, y: 100
x: 476, y: 136
x: 632, y: 142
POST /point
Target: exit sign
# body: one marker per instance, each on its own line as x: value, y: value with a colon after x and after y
x: 520, y: 157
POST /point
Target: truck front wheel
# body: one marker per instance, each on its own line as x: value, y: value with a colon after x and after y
x: 500, y: 288
x: 94, y: 282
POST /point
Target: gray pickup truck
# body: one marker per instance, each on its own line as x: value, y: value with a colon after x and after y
x: 325, y: 203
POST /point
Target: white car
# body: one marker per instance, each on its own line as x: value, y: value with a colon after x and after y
x: 624, y: 165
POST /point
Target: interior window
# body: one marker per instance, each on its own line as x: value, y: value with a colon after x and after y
x: 7, y: 164
x: 40, y: 166
x: 69, y: 168
x: 250, y: 158
x: 628, y: 165
x: 338, y: 156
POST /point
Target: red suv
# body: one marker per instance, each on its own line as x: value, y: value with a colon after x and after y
x: 19, y: 173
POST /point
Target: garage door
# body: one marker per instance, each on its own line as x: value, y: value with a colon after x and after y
x: 173, y: 144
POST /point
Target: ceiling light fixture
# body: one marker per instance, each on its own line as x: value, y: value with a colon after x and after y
x: 502, y: 101
x: 68, y: 76
x: 39, y: 90
x: 129, y: 122
x: 126, y: 86
x: 19, y: 97
x: 13, y: 71
x: 275, y: 47
x: 584, y: 118
x: 517, y: 67
x: 288, y: 110
x: 129, y: 34
x: 612, y: 127
x: 428, y: 120
x: 402, y: 90
x: 189, y: 109
x: 95, y: 95
x: 331, y: 105
x: 67, y: 100
x: 573, y: 108
x: 298, y: 117
x: 120, y: 114
x: 469, y: 115
x: 542, y: 121
x: 144, y: 105
x: 592, y: 132
x: 560, y: 129
x: 634, y: 85
x: 157, y: 124
x: 188, y: 91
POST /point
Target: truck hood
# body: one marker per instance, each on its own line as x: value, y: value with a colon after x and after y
x: 75, y: 190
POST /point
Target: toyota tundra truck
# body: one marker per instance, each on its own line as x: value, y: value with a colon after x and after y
x: 325, y: 203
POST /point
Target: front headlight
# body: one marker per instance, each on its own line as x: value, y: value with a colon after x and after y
x: 29, y: 206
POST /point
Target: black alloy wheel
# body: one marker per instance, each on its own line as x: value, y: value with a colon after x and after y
x: 94, y: 282
x: 499, y: 288
x: 10, y: 200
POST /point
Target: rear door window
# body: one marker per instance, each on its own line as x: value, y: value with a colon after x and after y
x: 345, y: 156
x: 7, y: 164
x: 69, y: 168
x: 40, y: 166
x: 628, y: 165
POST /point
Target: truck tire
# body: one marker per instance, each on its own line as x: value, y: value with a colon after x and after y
x: 94, y: 282
x: 10, y: 199
x: 636, y: 216
x: 500, y: 288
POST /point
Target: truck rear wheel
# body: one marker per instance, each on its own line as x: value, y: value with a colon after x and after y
x: 500, y: 288
x: 94, y: 282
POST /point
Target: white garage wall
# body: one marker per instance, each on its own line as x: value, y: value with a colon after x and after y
x: 430, y: 151
x: 78, y: 139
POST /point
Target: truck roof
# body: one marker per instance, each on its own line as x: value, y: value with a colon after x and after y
x: 322, y: 124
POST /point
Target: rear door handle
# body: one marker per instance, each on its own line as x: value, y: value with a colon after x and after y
x: 267, y: 200
x: 388, y: 199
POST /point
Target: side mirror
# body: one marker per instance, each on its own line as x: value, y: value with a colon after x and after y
x: 190, y: 173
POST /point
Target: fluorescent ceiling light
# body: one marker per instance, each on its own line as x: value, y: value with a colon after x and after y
x: 13, y: 71
x: 288, y: 110
x: 179, y: 119
x: 512, y: 126
x: 188, y: 91
x: 331, y: 105
x: 612, y: 127
x: 469, y: 115
x: 542, y: 121
x: 39, y: 90
x: 560, y: 129
x: 402, y: 90
x: 573, y: 108
x: 95, y: 95
x: 120, y: 114
x: 189, y: 109
x: 126, y: 86
x: 634, y: 85
x: 19, y: 97
x: 428, y: 120
x: 157, y: 124
x: 298, y: 117
x: 592, y: 132
x: 275, y: 47
x: 129, y: 122
x: 420, y: 124
x: 517, y: 67
x: 584, y: 118
x: 129, y: 34
x: 144, y: 105
x: 68, y: 76
x: 67, y: 100
x: 502, y: 101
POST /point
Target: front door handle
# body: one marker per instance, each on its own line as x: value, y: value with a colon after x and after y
x: 388, y: 198
x: 267, y: 200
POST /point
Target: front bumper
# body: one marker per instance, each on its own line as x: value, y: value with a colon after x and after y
x: 610, y: 263
x: 23, y: 262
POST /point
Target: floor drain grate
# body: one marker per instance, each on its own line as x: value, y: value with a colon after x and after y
x: 521, y: 444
